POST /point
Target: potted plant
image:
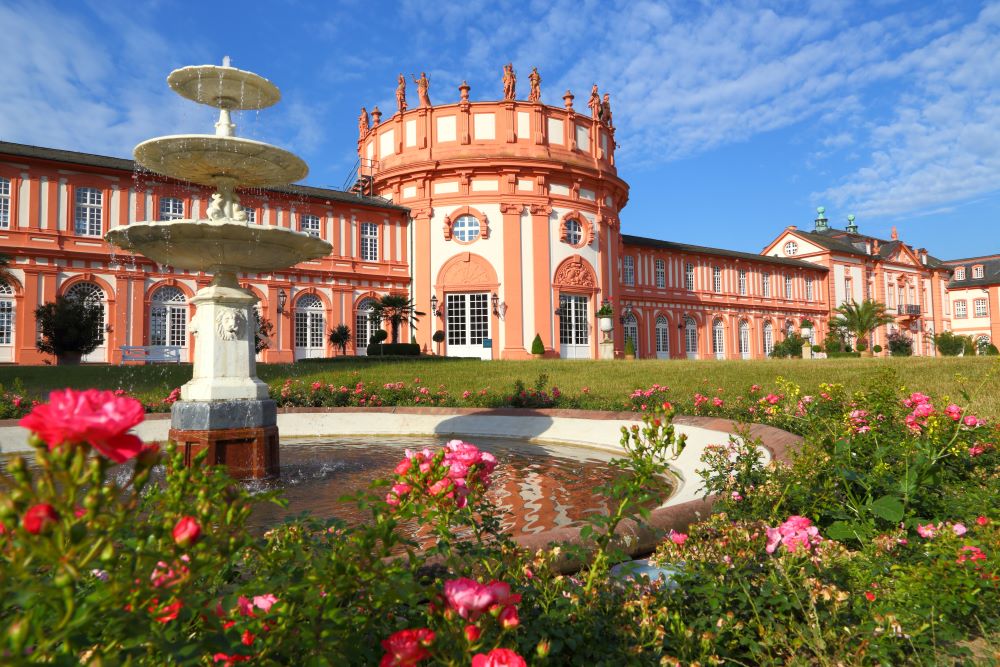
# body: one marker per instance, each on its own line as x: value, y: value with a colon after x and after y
x: 629, y: 349
x: 438, y: 338
x: 806, y: 327
x: 604, y: 317
x: 70, y: 328
x: 537, y: 347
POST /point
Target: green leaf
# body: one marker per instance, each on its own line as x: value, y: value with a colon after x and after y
x: 840, y: 531
x: 889, y: 508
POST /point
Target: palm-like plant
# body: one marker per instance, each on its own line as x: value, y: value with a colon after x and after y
x: 861, y: 319
x: 6, y: 277
x: 340, y: 336
x: 395, y: 309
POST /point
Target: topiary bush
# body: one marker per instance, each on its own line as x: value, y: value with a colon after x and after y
x: 69, y: 328
x: 537, y: 346
x: 790, y: 347
x: 629, y: 347
x: 877, y: 349
x: 394, y: 349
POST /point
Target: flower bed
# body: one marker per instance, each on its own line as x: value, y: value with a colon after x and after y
x: 876, y: 542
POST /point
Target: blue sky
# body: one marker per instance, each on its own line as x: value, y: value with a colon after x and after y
x: 735, y: 119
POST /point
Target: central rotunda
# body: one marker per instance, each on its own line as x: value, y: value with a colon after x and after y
x: 515, y: 207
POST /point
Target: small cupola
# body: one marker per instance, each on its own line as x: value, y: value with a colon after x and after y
x: 851, y: 227
x: 821, y: 221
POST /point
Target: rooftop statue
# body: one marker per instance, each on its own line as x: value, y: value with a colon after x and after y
x: 363, y: 123
x: 401, y: 94
x: 606, y: 110
x: 509, y: 81
x: 595, y: 103
x: 423, y: 85
x: 535, y: 95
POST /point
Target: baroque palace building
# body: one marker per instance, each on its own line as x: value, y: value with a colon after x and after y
x: 501, y: 220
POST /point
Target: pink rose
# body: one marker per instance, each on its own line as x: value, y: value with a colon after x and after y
x: 924, y: 410
x: 717, y: 402
x: 469, y: 598
x: 678, y: 538
x: 186, y: 531
x: 954, y: 412
x: 264, y: 602
x: 498, y: 657
x: 502, y: 595
x: 39, y: 518
x: 928, y: 531
x: 406, y: 647
x: 982, y: 520
x: 971, y: 421
x: 959, y: 529
x: 508, y: 618
x: 99, y: 418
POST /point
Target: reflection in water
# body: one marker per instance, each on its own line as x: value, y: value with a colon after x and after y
x: 536, y: 488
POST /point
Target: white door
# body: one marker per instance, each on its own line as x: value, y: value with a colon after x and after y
x: 662, y: 338
x: 6, y: 323
x: 364, y: 327
x: 631, y: 329
x: 468, y: 324
x: 91, y: 293
x: 574, y: 328
x: 690, y: 338
x: 744, y: 339
x: 309, y: 338
x: 718, y: 339
x: 168, y: 319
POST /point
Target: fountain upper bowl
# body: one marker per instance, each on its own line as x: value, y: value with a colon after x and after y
x: 224, y: 87
x: 211, y: 246
x: 206, y: 159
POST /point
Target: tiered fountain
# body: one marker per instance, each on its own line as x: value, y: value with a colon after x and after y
x: 225, y: 407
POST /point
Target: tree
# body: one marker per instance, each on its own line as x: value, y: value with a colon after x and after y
x: 6, y: 276
x: 69, y: 328
x: 340, y: 336
x: 396, y: 310
x: 861, y: 319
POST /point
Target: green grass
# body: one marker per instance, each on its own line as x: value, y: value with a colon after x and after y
x: 609, y: 381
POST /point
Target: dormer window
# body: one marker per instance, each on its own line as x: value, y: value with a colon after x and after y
x: 960, y: 273
x: 791, y: 248
x: 977, y: 271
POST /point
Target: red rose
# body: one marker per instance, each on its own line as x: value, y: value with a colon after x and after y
x: 406, y: 647
x: 472, y: 633
x: 498, y: 657
x: 99, y: 418
x: 508, y: 618
x: 39, y: 518
x: 186, y: 532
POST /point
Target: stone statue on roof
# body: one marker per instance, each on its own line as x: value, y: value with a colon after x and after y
x: 594, y: 103
x: 363, y: 123
x: 535, y: 79
x: 509, y: 81
x: 423, y: 85
x: 606, y: 110
x: 401, y: 94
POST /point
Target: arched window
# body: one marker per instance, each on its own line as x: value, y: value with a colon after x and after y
x: 718, y: 338
x: 574, y: 232
x: 690, y: 337
x: 768, y: 338
x: 6, y: 317
x: 90, y: 294
x: 364, y: 327
x: 168, y: 317
x: 631, y: 328
x: 309, y: 327
x: 744, y: 339
x: 465, y: 228
x: 662, y: 338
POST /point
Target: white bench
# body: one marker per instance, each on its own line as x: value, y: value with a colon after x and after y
x: 151, y: 353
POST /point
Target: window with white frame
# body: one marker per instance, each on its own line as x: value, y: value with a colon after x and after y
x: 765, y: 283
x: 809, y: 289
x: 788, y: 287
x: 6, y: 314
x: 662, y: 337
x: 628, y: 270
x: 690, y: 337
x: 171, y: 208
x: 574, y: 232
x: 768, y: 338
x: 979, y: 308
x: 251, y: 214
x: 791, y: 248
x: 961, y: 309
x: 89, y: 294
x: 849, y: 290
x: 88, y: 214
x: 661, y: 273
x: 4, y: 203
x: 309, y: 224
x: 309, y: 323
x: 977, y: 271
x: 743, y: 282
x: 168, y: 317
x: 960, y: 273
x: 719, y: 339
x: 689, y: 276
x: 716, y: 279
x: 369, y: 241
x: 466, y: 229
x: 744, y: 339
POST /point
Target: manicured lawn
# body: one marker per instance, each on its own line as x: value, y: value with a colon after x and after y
x: 609, y: 382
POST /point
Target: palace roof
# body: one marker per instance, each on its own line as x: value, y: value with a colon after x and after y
x: 841, y: 240
x: 105, y: 162
x: 720, y: 252
x: 991, y: 271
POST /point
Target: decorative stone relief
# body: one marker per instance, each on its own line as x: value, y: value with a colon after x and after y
x: 575, y: 272
x: 230, y: 324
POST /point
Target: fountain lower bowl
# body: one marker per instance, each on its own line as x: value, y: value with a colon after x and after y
x: 206, y: 245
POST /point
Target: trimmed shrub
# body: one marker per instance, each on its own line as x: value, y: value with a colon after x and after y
x: 394, y: 349
x: 790, y: 347
x: 862, y: 347
x: 537, y: 346
x: 438, y: 336
x: 629, y: 347
x: 900, y: 344
x: 949, y: 344
x: 877, y: 349
x: 69, y: 326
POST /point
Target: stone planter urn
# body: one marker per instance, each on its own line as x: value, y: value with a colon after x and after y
x: 805, y: 332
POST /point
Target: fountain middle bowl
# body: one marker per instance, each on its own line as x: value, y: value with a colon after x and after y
x: 202, y: 245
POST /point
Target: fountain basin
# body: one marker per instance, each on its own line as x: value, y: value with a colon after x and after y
x: 206, y: 245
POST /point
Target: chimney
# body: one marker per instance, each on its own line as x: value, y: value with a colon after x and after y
x: 851, y: 227
x: 895, y: 234
x: 874, y: 246
x: 821, y: 221
x: 923, y: 255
